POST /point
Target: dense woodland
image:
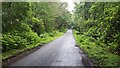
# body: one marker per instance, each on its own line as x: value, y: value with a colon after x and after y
x: 25, y: 22
x: 96, y: 26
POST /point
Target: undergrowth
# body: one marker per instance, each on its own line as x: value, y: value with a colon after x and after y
x: 97, y: 51
x: 23, y: 38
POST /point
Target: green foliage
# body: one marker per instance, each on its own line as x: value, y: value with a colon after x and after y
x: 101, y: 21
x: 19, y: 39
x: 37, y: 25
x: 63, y: 21
x: 97, y: 51
x: 26, y: 23
x: 46, y: 17
x: 13, y: 42
x: 13, y: 13
x: 44, y: 38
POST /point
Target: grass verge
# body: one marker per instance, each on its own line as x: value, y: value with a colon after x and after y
x: 44, y: 38
x: 96, y: 51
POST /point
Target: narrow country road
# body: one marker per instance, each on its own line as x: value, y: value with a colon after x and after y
x: 60, y: 52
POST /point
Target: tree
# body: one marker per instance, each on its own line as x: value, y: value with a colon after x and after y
x: 99, y: 20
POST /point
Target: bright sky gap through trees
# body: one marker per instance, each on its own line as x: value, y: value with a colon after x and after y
x: 70, y: 5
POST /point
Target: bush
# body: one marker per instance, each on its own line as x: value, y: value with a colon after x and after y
x: 12, y: 42
x: 19, y: 38
x: 97, y: 51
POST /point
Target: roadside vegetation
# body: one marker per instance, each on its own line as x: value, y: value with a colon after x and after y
x: 96, y: 51
x: 26, y: 25
x: 42, y: 40
x: 97, y: 31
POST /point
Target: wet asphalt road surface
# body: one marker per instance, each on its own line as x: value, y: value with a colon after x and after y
x: 60, y: 52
